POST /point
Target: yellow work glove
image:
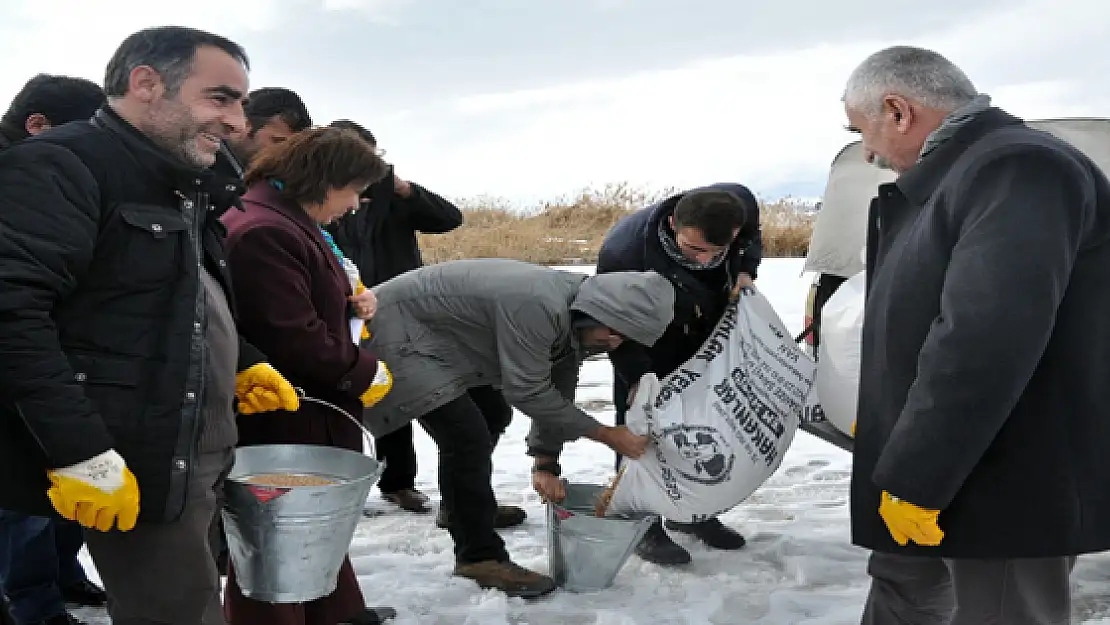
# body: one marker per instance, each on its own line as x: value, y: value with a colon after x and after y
x: 383, y: 381
x: 907, y: 522
x: 97, y: 493
x: 262, y: 389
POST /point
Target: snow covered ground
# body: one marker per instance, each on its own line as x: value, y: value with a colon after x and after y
x: 798, y: 567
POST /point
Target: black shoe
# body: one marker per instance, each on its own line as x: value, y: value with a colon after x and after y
x: 85, y: 594
x: 373, y: 616
x: 658, y: 548
x: 5, y: 615
x: 712, y: 532
x: 63, y: 619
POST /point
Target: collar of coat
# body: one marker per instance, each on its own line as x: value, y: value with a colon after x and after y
x: 921, y: 180
x: 264, y: 194
x: 163, y: 166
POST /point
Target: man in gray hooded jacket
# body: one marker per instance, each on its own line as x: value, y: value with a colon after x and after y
x: 525, y: 329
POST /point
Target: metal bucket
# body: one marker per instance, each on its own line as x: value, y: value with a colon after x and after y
x: 586, y: 552
x: 287, y: 543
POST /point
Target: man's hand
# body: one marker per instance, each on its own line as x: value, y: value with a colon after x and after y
x: 262, y: 389
x: 401, y: 187
x: 907, y: 522
x: 632, y: 393
x: 97, y: 493
x: 549, y: 487
x: 365, y: 303
x: 622, y: 440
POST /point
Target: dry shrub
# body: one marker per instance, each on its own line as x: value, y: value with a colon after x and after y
x: 570, y: 230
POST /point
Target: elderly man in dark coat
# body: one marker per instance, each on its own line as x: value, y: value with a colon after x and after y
x: 980, y: 466
x: 525, y: 329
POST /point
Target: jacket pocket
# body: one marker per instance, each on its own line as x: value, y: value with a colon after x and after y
x: 112, y: 385
x: 151, y: 244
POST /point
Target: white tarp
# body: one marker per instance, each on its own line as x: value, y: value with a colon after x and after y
x: 721, y: 423
x: 839, y: 353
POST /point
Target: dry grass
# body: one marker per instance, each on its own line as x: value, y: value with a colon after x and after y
x: 570, y: 230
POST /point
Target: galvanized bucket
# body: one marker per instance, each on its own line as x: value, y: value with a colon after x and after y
x: 586, y: 552
x: 288, y: 542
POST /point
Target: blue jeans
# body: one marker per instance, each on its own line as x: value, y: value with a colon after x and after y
x: 38, y: 557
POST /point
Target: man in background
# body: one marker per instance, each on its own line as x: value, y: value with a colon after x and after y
x: 706, y: 241
x: 39, y: 570
x: 273, y: 115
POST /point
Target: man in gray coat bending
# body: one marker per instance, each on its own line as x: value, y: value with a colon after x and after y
x: 446, y: 328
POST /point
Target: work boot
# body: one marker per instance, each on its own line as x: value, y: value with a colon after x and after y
x: 658, y: 548
x: 373, y: 616
x: 510, y: 578
x: 409, y: 499
x: 712, y: 532
x: 507, y: 516
x: 85, y: 594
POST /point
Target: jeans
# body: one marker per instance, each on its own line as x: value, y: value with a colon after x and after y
x: 38, y: 557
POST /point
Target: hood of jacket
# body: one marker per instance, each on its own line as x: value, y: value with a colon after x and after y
x: 637, y: 304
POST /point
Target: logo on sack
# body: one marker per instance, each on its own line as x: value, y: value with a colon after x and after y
x: 707, y: 456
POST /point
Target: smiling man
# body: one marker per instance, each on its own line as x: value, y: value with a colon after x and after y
x: 118, y: 349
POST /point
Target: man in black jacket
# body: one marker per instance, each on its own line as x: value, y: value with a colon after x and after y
x: 119, y: 360
x: 381, y: 240
x: 707, y: 241
x: 980, y: 467
x: 39, y: 570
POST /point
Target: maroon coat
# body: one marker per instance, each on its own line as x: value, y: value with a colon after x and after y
x: 292, y: 297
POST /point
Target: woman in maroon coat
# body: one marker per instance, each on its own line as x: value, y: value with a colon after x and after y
x: 296, y: 301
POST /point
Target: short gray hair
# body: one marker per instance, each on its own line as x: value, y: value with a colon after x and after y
x: 916, y: 74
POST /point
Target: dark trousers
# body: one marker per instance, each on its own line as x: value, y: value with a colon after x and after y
x: 399, y: 452
x: 38, y: 557
x: 165, y: 573
x: 910, y: 590
x: 466, y: 431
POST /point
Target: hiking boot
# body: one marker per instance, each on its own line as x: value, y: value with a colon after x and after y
x: 409, y: 499
x: 373, y: 616
x: 85, y: 594
x: 507, y: 516
x: 510, y: 578
x: 658, y: 548
x: 712, y: 532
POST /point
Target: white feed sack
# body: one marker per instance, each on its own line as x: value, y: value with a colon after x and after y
x: 838, y: 355
x: 721, y: 423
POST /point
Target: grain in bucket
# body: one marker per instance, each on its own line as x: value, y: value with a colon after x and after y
x: 290, y: 513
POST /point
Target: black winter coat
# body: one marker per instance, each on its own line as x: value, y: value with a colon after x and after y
x: 380, y: 238
x: 985, y: 373
x: 633, y: 245
x: 102, y: 237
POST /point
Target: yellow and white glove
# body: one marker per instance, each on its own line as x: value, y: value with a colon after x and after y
x: 97, y: 493
x: 381, y: 384
x: 261, y: 388
x: 907, y: 522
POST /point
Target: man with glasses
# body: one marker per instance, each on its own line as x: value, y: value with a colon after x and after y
x: 706, y: 241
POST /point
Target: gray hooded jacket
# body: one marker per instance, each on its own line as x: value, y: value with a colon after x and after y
x: 445, y: 328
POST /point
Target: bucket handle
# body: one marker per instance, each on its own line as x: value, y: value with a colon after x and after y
x: 365, y: 432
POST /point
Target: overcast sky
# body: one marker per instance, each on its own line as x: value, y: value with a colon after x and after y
x: 528, y: 99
